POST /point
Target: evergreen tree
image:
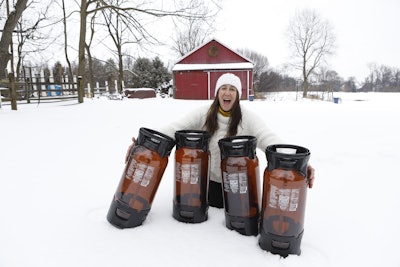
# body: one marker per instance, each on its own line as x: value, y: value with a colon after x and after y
x: 150, y: 74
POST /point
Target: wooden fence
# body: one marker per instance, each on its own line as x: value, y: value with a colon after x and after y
x: 39, y: 88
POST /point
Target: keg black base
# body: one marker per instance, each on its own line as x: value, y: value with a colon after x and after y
x: 122, y: 216
x: 189, y: 214
x: 242, y: 225
x: 282, y: 245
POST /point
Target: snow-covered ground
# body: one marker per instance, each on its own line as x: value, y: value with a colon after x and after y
x: 60, y: 164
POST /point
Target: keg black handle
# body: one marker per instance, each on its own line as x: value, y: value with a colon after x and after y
x: 155, y: 141
x: 192, y: 139
x: 238, y: 146
x: 297, y: 161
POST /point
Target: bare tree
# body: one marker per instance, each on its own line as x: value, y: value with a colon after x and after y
x: 269, y: 81
x: 30, y: 35
x: 350, y: 85
x: 260, y: 62
x: 7, y: 33
x: 193, y: 31
x: 88, y: 51
x: 382, y: 78
x: 131, y: 13
x: 311, y: 39
x: 328, y: 82
x: 118, y: 26
x: 66, y: 40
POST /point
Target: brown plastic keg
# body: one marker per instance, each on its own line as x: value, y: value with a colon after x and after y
x: 140, y: 179
x: 240, y: 183
x: 190, y: 203
x: 284, y: 199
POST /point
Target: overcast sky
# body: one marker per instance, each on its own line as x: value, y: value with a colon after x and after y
x: 367, y: 31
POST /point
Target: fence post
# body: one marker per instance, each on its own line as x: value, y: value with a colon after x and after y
x: 98, y: 88
x: 43, y: 83
x: 13, y: 92
x: 65, y: 84
x: 80, y: 96
x: 88, y: 90
x: 51, y: 86
x: 75, y: 82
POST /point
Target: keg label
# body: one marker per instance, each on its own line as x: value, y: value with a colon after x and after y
x: 140, y: 173
x: 233, y: 179
x: 188, y: 173
x: 243, y: 182
x: 235, y: 182
x: 284, y: 199
x: 130, y: 170
x: 148, y: 174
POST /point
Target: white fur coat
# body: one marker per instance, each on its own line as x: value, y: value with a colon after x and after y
x: 251, y: 125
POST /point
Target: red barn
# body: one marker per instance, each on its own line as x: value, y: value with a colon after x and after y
x: 196, y: 74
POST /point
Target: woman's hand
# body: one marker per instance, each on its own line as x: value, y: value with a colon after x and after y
x: 128, y: 153
x: 310, y: 176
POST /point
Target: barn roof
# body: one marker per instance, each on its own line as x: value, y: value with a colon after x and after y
x: 222, y: 66
x: 197, y: 60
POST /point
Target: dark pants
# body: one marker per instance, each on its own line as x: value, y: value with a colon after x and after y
x: 215, y: 198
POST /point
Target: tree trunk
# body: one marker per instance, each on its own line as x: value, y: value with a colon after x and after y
x: 13, y: 92
x: 305, y: 88
x: 120, y: 73
x: 81, y: 53
x: 305, y: 77
x: 66, y: 44
x: 90, y: 70
x: 6, y: 36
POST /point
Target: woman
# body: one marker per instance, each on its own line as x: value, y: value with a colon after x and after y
x: 224, y: 118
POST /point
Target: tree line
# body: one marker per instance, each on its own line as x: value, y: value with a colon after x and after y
x: 123, y: 26
x: 116, y: 25
x: 152, y: 73
x: 143, y: 73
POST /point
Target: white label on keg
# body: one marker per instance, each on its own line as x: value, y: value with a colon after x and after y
x: 177, y: 171
x: 294, y: 199
x: 194, y: 173
x: 235, y: 182
x: 225, y: 181
x: 243, y: 182
x: 188, y: 173
x: 142, y: 174
x: 147, y: 176
x: 284, y: 199
x: 185, y: 173
x: 139, y: 172
x: 130, y: 170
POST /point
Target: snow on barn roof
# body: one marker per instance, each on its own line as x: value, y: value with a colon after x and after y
x: 140, y: 89
x: 222, y: 66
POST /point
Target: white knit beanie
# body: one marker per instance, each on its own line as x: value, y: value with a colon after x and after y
x: 229, y: 78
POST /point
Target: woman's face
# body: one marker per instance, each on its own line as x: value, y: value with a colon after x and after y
x: 227, y: 95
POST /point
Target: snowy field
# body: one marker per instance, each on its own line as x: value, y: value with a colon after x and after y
x: 60, y: 164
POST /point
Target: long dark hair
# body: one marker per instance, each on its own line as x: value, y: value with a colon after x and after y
x: 211, y: 123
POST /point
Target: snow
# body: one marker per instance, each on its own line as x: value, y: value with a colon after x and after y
x: 233, y: 66
x: 61, y: 162
x: 139, y: 89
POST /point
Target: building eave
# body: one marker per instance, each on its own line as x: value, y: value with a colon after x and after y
x: 222, y: 66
